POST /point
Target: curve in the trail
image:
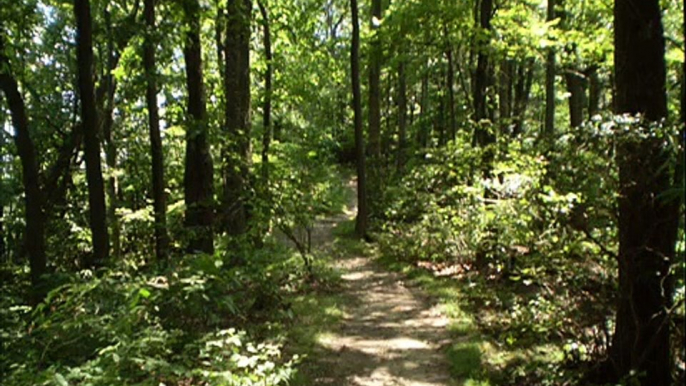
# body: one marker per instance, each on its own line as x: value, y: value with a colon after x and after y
x: 390, y: 334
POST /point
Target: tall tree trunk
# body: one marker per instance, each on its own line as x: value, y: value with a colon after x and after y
x: 158, y: 185
x: 594, y: 90
x: 402, y: 114
x: 89, y: 122
x: 236, y: 156
x: 549, y: 125
x: 647, y: 224
x: 505, y: 94
x: 450, y: 85
x: 375, y: 85
x: 425, y: 125
x: 482, y: 79
x: 198, y: 189
x: 34, y: 234
x: 525, y: 76
x: 104, y: 95
x: 575, y: 86
x: 267, y: 107
x: 361, y: 219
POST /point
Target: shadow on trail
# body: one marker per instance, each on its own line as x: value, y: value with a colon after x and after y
x: 389, y: 335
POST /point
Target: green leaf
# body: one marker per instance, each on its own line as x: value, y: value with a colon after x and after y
x: 144, y: 293
x: 60, y: 380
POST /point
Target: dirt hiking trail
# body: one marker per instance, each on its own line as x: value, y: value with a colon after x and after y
x: 390, y: 334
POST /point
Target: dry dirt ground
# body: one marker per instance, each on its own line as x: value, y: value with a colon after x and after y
x: 390, y: 334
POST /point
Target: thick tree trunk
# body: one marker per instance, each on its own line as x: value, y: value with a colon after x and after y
x: 647, y: 226
x: 361, y: 219
x: 575, y: 86
x: 198, y: 189
x: 90, y: 127
x: 375, y: 54
x: 34, y: 234
x: 236, y: 154
x: 158, y: 185
x: 267, y: 106
x: 549, y: 125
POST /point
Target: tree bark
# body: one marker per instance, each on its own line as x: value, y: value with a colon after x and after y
x: 450, y: 82
x: 450, y: 85
x: 236, y: 154
x: 482, y: 79
x: 425, y: 126
x: 267, y: 106
x: 375, y: 54
x: 594, y: 90
x: 90, y: 126
x: 158, y: 185
x: 505, y: 94
x: 549, y: 126
x: 34, y: 234
x: 647, y: 224
x: 402, y: 114
x: 198, y: 189
x: 525, y: 76
x: 361, y: 219
x: 575, y: 86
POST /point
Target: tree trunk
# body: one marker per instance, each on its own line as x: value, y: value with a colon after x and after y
x: 647, y: 224
x: 267, y: 107
x: 90, y: 124
x: 198, y: 189
x: 104, y: 96
x: 594, y: 90
x: 450, y: 84
x: 158, y: 186
x: 236, y: 154
x: 375, y: 85
x: 505, y: 94
x: 425, y: 125
x: 34, y: 234
x: 402, y: 114
x: 482, y: 79
x: 361, y: 219
x: 549, y: 126
x: 525, y: 77
x: 575, y: 87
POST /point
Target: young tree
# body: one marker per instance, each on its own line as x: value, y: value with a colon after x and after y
x: 482, y: 77
x: 375, y: 54
x: 90, y: 127
x: 549, y: 126
x: 158, y: 185
x: 647, y: 232
x: 361, y: 220
x: 267, y: 105
x: 197, y: 183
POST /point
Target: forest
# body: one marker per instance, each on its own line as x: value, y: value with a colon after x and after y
x: 342, y: 192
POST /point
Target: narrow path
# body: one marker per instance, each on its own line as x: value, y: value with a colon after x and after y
x: 390, y: 334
